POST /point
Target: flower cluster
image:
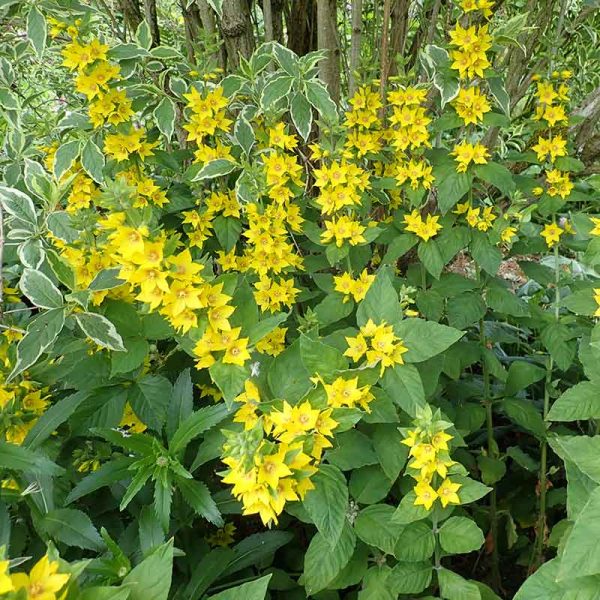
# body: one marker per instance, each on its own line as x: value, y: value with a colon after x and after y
x: 471, y: 105
x: 430, y: 461
x: 22, y: 403
x: 471, y: 44
x: 347, y: 393
x: 466, y: 153
x: 424, y: 228
x: 271, y: 461
x: 351, y: 287
x: 481, y: 218
x: 379, y: 343
x: 208, y: 115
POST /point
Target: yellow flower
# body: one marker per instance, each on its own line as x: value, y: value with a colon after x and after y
x: 424, y: 229
x: 342, y: 229
x: 447, y: 492
x: 551, y: 233
x: 43, y: 581
x: 425, y: 495
x: 356, y: 347
x: 131, y: 420
x: 597, y: 299
x: 508, y: 233
x: 6, y: 583
x: 471, y: 105
x: 553, y: 146
x: 273, y: 343
x: 596, y: 229
x: 465, y: 153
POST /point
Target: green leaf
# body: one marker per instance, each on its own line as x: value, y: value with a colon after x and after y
x: 404, y: 386
x: 59, y: 223
x: 151, y: 533
x: 455, y: 587
x: 580, y: 402
x: 415, y: 543
x: 151, y: 579
x: 181, y: 404
x: 582, y: 451
x: 41, y: 334
x: 407, y: 512
x: 92, y: 160
x: 327, y: 503
x: 197, y: 423
x: 318, y: 96
x: 425, y: 339
x: 332, y: 309
x: 492, y: 469
x: 485, y: 254
x: 110, y: 472
x: 460, y: 535
x: 581, y: 302
x: 452, y: 186
x: 322, y: 563
x: 398, y: 247
x: 215, y: 168
x: 380, y: 303
x: 244, y: 134
x: 581, y: 553
x: 470, y: 489
x: 320, y: 358
x: 497, y: 175
x: 54, y: 416
x: 8, y: 99
x: 277, y: 88
x: 206, y: 571
x: 255, y: 548
x: 287, y: 376
x: 65, y: 157
x: 253, y: 590
x: 164, y: 114
x: 391, y: 453
x: 229, y: 379
x: 301, y: 113
x: 196, y: 494
x: 19, y: 458
x: 373, y: 526
x: 40, y: 290
x: 100, y: 330
x: 37, y: 30
x: 31, y: 253
x: 410, y: 577
x: 73, y: 528
x: 525, y: 414
x: 369, y: 484
x: 136, y: 350
x: 431, y: 257
x: 353, y: 450
x: 557, y: 338
x: 149, y: 397
x: 18, y: 205
x: 497, y: 89
x: 227, y: 230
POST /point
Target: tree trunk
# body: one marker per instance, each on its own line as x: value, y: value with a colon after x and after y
x: 152, y: 20
x: 209, y: 24
x: 268, y: 19
x: 399, y: 27
x: 132, y: 15
x: 329, y: 68
x: 236, y: 29
x: 302, y: 26
x: 192, y: 24
x: 385, y: 54
x: 355, y: 44
x: 277, y: 14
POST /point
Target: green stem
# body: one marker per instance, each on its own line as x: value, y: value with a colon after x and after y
x: 437, y: 548
x: 491, y: 449
x: 538, y: 550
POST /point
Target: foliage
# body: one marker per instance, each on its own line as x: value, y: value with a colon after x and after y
x: 257, y: 345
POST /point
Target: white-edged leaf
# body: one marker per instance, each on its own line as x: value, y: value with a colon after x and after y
x: 100, y: 330
x: 40, y: 289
